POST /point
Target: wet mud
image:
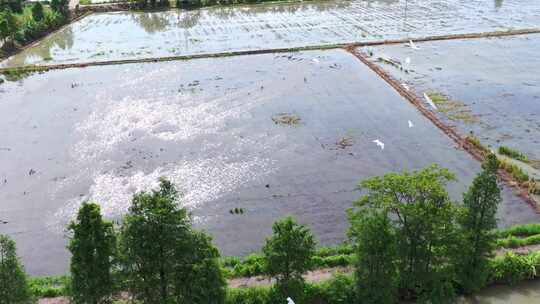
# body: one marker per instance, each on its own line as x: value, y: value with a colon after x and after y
x: 487, y: 87
x: 135, y: 35
x: 104, y: 133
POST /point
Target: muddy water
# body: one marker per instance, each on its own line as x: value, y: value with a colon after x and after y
x: 103, y: 133
x: 129, y: 35
x: 522, y: 293
x: 496, y: 80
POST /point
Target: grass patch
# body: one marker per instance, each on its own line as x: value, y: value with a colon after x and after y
x: 512, y: 153
x: 253, y: 264
x: 522, y: 230
x: 473, y: 140
x: 517, y: 173
x: 515, y: 242
x: 455, y: 110
x: 286, y: 119
x: 48, y: 287
x: 16, y: 74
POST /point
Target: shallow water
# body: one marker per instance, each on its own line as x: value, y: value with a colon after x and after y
x: 496, y: 79
x: 103, y: 133
x: 129, y: 35
x: 523, y: 293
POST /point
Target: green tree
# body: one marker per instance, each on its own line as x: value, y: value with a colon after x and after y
x: 13, y: 284
x: 164, y: 259
x: 477, y: 222
x: 37, y: 11
x: 288, y: 254
x: 375, y: 243
x: 60, y: 6
x: 9, y: 25
x: 92, y: 247
x: 424, y: 220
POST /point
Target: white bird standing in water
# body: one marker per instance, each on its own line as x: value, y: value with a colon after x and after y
x: 379, y: 143
x: 413, y: 46
x: 290, y: 301
x: 410, y: 124
x: 429, y: 101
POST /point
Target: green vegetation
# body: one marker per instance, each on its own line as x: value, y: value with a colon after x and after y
x: 455, y: 110
x: 515, y: 242
x: 288, y: 254
x: 14, y: 288
x: 512, y: 153
x: 512, y: 268
x: 475, y: 141
x: 47, y: 287
x: 22, y: 23
x: 517, y: 173
x: 408, y: 241
x: 376, y: 271
x: 423, y: 220
x: 190, y: 4
x: 522, y: 230
x: 163, y: 260
x: 92, y: 248
x: 477, y: 223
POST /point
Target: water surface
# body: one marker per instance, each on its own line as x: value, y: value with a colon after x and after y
x: 130, y: 35
x: 209, y: 125
x: 493, y: 83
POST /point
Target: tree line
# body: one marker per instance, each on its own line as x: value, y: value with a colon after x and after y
x: 411, y: 242
x: 22, y: 22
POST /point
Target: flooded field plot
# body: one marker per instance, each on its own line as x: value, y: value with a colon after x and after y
x: 272, y: 134
x: 489, y: 87
x: 129, y: 35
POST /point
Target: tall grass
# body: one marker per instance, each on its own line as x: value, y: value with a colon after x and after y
x: 512, y: 153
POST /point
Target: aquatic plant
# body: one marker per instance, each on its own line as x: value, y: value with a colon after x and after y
x: 286, y: 119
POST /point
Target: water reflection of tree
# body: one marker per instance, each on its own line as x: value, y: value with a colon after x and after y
x: 63, y: 40
x: 152, y: 22
x: 188, y: 19
x: 498, y: 3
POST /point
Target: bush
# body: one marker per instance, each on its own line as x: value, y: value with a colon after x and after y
x: 339, y: 290
x: 512, y: 268
x: 515, y: 242
x: 251, y: 295
x: 49, y: 287
x: 517, y: 173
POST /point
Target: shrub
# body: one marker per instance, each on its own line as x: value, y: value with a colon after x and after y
x: 251, y: 295
x: 517, y: 173
x: 48, y: 287
x: 512, y: 268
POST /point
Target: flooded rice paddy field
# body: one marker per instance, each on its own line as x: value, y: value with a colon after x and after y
x: 491, y: 85
x: 272, y: 134
x: 135, y: 35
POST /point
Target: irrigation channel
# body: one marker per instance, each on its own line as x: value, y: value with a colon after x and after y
x: 269, y: 108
